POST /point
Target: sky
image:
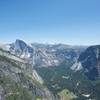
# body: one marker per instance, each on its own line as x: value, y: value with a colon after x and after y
x: 75, y: 22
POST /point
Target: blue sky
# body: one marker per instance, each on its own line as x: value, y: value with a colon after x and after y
x: 75, y: 22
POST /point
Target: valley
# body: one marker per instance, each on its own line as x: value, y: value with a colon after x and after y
x: 49, y: 72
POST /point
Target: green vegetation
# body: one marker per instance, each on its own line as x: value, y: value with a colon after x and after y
x: 66, y: 94
x: 38, y: 98
x: 59, y: 78
x: 13, y: 90
x: 21, y: 95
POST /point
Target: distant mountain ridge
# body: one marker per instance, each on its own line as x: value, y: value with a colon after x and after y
x: 44, y: 55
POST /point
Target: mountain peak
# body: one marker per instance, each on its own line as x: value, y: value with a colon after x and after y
x: 20, y: 44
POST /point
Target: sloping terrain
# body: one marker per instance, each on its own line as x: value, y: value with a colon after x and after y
x: 60, y: 78
x: 90, y: 60
x: 17, y: 81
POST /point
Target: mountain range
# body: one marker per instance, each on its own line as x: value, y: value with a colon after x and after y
x: 58, y: 71
x: 44, y: 55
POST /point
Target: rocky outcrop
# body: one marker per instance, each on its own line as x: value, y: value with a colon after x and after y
x: 17, y: 81
x: 90, y: 60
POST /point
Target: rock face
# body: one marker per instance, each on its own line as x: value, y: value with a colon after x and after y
x: 18, y: 81
x: 90, y: 60
x: 21, y: 49
x: 44, y: 55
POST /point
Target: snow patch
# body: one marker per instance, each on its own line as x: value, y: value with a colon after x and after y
x: 86, y: 95
x: 65, y: 77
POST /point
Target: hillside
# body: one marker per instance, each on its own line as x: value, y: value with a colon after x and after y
x: 17, y: 81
